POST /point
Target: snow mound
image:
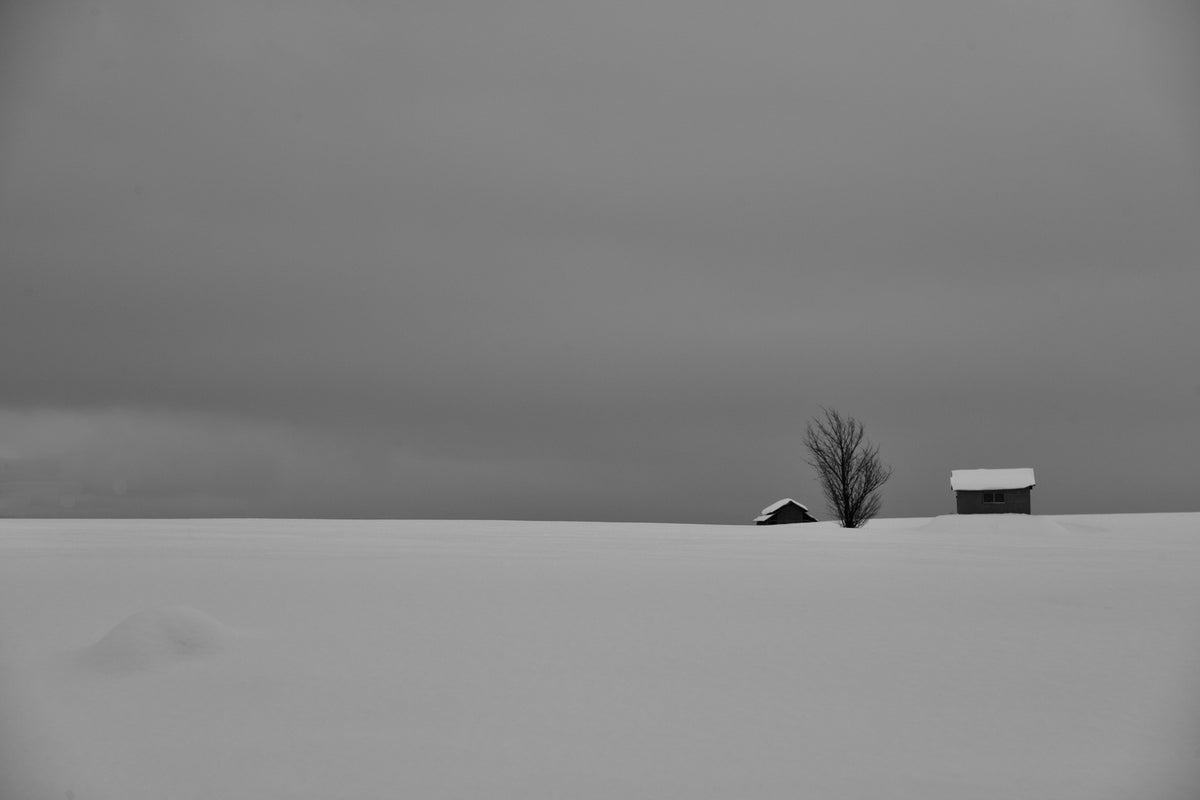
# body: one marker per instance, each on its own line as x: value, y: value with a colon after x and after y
x: 157, y: 639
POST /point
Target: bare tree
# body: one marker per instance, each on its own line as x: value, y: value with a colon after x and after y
x: 847, y: 465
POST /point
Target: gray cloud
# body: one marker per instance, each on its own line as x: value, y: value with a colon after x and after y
x: 587, y: 260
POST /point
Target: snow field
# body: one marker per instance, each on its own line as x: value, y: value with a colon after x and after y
x: 1038, y: 657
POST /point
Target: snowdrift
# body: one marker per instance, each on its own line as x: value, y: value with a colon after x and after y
x: 157, y: 639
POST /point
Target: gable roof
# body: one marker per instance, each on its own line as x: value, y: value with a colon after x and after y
x: 771, y: 509
x: 975, y: 480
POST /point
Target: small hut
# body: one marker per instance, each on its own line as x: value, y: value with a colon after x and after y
x: 992, y: 491
x: 784, y: 512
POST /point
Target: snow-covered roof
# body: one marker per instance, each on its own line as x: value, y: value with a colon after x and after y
x: 975, y: 480
x: 771, y: 509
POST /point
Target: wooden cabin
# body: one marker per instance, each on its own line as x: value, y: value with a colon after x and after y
x: 784, y: 512
x: 992, y: 491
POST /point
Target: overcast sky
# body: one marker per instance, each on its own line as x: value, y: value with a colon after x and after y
x: 550, y: 259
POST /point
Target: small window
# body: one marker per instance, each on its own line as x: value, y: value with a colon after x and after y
x: 993, y: 497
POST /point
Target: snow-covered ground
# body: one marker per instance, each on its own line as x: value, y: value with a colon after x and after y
x: 955, y: 658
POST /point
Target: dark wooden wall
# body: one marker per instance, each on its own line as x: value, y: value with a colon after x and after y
x: 1016, y: 501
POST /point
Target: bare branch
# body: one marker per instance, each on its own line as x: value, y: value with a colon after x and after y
x: 847, y: 466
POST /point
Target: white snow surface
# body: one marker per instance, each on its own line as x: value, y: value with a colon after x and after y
x: 927, y: 659
x: 771, y: 509
x: 989, y: 479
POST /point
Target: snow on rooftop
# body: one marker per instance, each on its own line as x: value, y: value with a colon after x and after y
x: 771, y: 509
x: 974, y: 480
